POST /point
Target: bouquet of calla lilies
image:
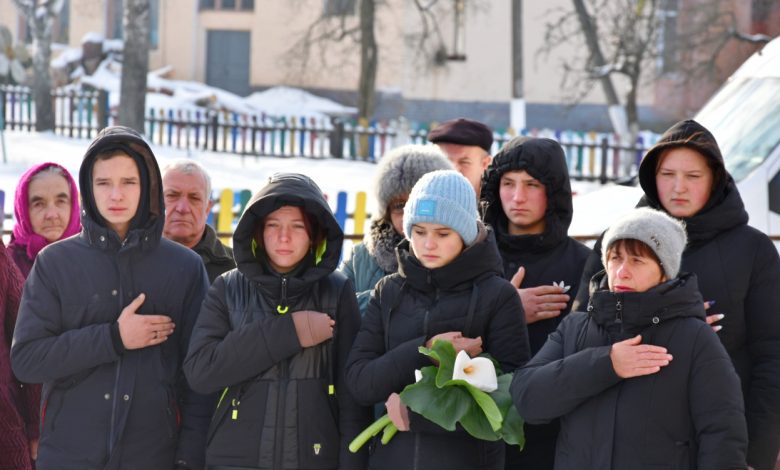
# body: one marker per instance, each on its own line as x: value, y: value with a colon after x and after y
x: 460, y: 390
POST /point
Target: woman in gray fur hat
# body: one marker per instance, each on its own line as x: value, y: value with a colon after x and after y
x: 398, y: 171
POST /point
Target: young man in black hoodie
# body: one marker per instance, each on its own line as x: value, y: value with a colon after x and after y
x: 105, y: 321
x: 526, y: 198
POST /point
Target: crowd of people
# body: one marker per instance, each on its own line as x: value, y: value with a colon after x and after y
x: 133, y: 338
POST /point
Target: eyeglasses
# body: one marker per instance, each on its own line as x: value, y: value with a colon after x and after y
x: 397, y: 208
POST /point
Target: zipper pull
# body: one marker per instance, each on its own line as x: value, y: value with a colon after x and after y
x: 619, y: 312
x: 234, y: 413
x: 282, y: 308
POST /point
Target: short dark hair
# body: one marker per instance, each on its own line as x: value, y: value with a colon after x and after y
x: 634, y: 247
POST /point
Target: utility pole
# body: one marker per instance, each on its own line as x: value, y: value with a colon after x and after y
x: 517, y: 105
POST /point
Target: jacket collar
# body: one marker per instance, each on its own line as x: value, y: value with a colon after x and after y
x: 478, y: 260
x: 632, y: 312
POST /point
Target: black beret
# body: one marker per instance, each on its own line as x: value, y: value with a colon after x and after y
x: 464, y: 132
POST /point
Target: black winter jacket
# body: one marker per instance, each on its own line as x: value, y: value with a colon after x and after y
x: 738, y: 267
x: 277, y: 409
x: 104, y: 407
x: 410, y: 307
x: 548, y: 257
x: 217, y: 257
x: 687, y: 416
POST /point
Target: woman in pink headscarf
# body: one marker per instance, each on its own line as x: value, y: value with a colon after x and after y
x: 18, y: 402
x: 46, y: 207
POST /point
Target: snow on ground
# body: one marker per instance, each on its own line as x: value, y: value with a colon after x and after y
x: 594, y: 207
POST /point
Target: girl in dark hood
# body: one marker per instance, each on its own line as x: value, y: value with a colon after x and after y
x: 396, y: 174
x: 273, y: 336
x: 738, y: 269
x: 448, y: 287
x: 640, y: 380
x: 46, y: 208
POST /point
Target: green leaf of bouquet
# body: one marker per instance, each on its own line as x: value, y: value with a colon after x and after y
x: 512, y: 426
x: 488, y: 406
x: 476, y: 424
x: 443, y: 406
x: 444, y: 353
x: 512, y: 429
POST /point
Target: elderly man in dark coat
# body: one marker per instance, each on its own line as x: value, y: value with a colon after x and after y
x: 187, y: 190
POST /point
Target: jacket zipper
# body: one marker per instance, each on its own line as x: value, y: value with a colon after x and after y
x: 282, y: 307
x: 115, y: 391
x: 619, y: 312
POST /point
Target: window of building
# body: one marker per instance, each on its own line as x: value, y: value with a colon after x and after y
x: 227, y: 5
x: 339, y: 7
x: 115, y: 10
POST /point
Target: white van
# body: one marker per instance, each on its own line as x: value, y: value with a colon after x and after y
x: 744, y: 117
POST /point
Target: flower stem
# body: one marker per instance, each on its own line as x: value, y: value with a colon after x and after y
x: 388, y: 433
x: 369, y: 432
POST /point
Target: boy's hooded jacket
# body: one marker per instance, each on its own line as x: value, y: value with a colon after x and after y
x: 549, y: 257
x: 104, y: 407
x: 689, y: 415
x: 276, y: 410
x: 414, y: 305
x: 738, y: 268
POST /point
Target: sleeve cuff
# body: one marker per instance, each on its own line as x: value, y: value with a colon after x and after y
x: 116, y: 339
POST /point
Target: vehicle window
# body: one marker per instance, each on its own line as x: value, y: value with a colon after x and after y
x: 744, y: 117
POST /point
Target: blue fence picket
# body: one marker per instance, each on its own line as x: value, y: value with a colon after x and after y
x: 341, y: 209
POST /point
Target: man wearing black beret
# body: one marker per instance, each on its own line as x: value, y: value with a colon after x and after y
x: 467, y: 145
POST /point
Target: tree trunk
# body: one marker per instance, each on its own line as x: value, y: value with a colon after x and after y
x: 368, y: 60
x: 592, y: 41
x: 368, y: 66
x: 44, y: 106
x: 135, y: 64
x: 40, y: 17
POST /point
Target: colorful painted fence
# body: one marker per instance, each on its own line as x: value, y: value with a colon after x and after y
x: 592, y: 156
x: 231, y: 204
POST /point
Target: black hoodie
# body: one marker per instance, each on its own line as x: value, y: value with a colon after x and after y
x: 738, y: 267
x: 278, y: 410
x: 551, y: 256
x: 689, y: 415
x: 105, y: 407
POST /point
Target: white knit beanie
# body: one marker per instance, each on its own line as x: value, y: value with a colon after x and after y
x: 664, y: 235
x: 443, y: 197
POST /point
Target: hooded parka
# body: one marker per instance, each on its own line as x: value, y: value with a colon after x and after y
x: 282, y: 406
x: 412, y: 306
x: 549, y: 257
x: 104, y: 407
x: 739, y: 269
x: 689, y: 415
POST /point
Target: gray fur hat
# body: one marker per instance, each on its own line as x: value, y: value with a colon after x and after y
x: 400, y: 168
x: 664, y: 235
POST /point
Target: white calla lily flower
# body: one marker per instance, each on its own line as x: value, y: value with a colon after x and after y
x: 417, y: 375
x: 479, y: 372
